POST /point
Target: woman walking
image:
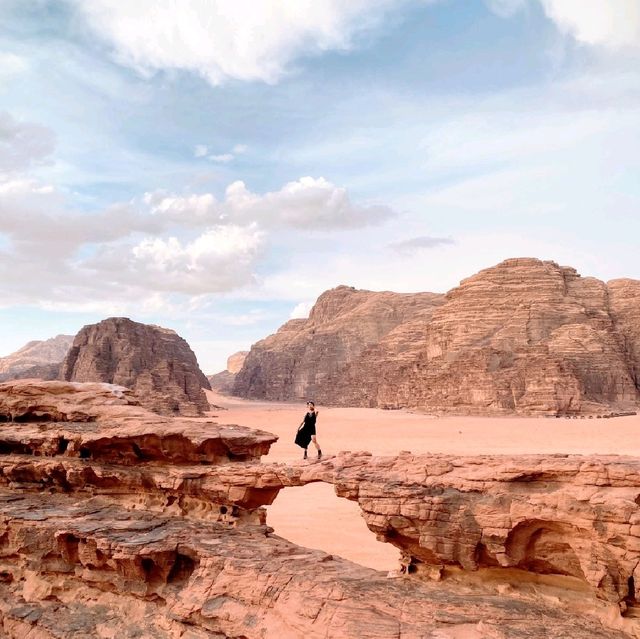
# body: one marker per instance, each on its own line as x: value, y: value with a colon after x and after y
x: 307, y: 430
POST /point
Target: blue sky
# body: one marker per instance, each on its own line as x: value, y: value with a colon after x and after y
x: 214, y: 168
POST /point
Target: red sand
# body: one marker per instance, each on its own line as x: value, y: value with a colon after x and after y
x: 314, y: 517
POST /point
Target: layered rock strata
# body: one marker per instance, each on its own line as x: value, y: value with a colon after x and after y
x: 306, y: 356
x: 526, y: 336
x: 155, y: 362
x: 172, y: 543
x: 88, y: 569
x: 40, y: 358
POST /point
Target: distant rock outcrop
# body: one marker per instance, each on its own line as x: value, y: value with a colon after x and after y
x: 303, y: 358
x: 224, y: 380
x: 526, y: 336
x: 39, y: 358
x: 154, y: 362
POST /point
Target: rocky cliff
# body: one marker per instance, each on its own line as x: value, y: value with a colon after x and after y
x: 224, y: 381
x: 156, y: 363
x: 306, y: 356
x: 39, y: 358
x: 117, y: 522
x: 526, y: 336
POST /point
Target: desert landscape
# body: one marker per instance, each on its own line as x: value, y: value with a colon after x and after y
x: 187, y: 511
x: 319, y: 319
x: 309, y: 517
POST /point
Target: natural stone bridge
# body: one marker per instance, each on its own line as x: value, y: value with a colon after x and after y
x: 115, y: 521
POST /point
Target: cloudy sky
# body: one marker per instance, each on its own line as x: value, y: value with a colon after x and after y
x: 214, y: 165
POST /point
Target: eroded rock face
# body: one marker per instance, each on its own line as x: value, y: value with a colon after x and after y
x: 306, y: 356
x: 153, y: 536
x: 526, y: 336
x: 40, y: 359
x: 103, y: 422
x: 564, y: 515
x: 89, y: 568
x: 224, y: 381
x: 156, y: 363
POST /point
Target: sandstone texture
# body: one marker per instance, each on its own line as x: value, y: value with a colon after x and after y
x: 109, y: 528
x: 224, y: 381
x: 154, y: 362
x: 306, y: 357
x: 526, y: 337
x: 40, y: 358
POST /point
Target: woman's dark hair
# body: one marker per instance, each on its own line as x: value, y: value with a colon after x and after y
x: 310, y: 402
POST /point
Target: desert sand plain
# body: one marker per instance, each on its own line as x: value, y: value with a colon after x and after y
x: 314, y: 517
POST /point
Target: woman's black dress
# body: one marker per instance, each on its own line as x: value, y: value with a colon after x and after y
x: 303, y: 436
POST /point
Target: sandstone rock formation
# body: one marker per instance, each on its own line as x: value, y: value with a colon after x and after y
x: 224, y: 380
x: 304, y: 357
x: 175, y: 545
x: 526, y: 336
x: 39, y: 358
x: 156, y: 363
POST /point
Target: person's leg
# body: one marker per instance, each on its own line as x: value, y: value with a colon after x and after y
x: 315, y: 443
x: 305, y: 454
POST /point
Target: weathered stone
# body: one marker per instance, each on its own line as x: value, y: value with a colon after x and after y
x: 160, y: 532
x: 40, y: 359
x: 526, y: 336
x: 85, y: 565
x: 224, y: 381
x: 154, y: 362
x: 305, y: 356
x: 102, y: 422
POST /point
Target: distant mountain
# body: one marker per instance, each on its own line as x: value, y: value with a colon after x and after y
x: 526, y: 336
x: 224, y: 380
x: 38, y: 358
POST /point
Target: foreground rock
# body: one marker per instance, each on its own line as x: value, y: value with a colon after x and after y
x: 86, y: 568
x: 153, y: 536
x: 156, y: 363
x: 526, y: 336
x: 103, y: 422
x: 36, y: 359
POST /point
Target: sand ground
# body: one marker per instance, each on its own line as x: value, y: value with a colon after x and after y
x: 314, y: 517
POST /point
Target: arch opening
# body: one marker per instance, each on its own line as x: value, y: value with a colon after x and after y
x: 313, y: 516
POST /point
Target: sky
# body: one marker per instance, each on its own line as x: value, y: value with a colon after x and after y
x: 212, y: 166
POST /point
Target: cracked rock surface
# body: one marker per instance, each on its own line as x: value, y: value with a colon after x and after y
x: 148, y: 535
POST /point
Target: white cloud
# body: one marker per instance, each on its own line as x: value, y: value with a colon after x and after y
x: 612, y: 23
x: 228, y: 39
x: 200, y: 150
x: 222, y: 158
x: 307, y: 203
x: 23, y: 144
x: 11, y: 65
x: 239, y: 149
x: 302, y: 310
x: 410, y: 246
x: 311, y: 203
x: 506, y: 8
x: 221, y: 259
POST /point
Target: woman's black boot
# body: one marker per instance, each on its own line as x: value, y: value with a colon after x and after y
x: 319, y: 453
x: 305, y: 454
